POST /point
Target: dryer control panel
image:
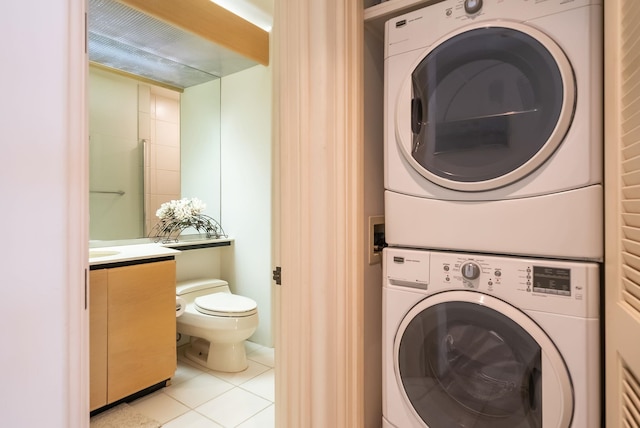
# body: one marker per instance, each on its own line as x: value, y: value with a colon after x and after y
x: 425, y: 26
x: 472, y: 6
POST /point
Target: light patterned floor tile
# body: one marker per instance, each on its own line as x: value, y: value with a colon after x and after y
x: 233, y: 407
x: 185, y: 372
x: 263, y: 356
x: 262, y: 385
x: 159, y: 406
x: 253, y: 370
x: 264, y: 419
x: 193, y: 419
x: 228, y: 405
x: 198, y: 390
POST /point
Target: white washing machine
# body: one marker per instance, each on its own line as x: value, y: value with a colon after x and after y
x: 489, y: 342
x: 493, y: 116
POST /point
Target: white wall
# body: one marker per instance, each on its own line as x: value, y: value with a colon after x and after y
x: 246, y: 189
x: 44, y: 195
x: 373, y: 206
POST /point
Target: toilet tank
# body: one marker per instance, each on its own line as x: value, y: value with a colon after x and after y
x: 202, y: 286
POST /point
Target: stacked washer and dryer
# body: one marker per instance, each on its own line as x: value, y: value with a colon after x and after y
x: 493, y: 215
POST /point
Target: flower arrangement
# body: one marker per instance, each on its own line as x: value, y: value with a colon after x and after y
x: 176, y: 216
x: 181, y: 210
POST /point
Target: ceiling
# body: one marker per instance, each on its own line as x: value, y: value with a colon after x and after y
x: 259, y: 12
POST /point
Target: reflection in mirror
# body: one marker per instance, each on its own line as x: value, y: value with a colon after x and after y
x: 200, y: 145
x: 149, y: 145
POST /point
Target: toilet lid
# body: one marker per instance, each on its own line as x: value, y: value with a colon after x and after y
x: 225, y: 305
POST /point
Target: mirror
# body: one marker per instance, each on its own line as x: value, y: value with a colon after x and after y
x: 139, y: 157
x: 149, y: 145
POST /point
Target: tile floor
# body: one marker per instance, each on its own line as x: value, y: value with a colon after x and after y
x: 202, y: 398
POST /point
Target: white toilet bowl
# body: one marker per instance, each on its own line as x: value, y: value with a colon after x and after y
x: 218, y: 322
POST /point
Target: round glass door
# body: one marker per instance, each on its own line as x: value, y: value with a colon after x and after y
x: 462, y: 363
x: 486, y: 107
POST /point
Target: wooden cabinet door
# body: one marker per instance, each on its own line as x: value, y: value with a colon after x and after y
x: 142, y: 327
x: 97, y: 338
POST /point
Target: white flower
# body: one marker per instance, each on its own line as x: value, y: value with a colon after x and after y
x: 197, y: 206
x: 181, y: 210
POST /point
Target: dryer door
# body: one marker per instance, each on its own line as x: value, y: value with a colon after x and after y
x: 465, y: 359
x: 485, y: 106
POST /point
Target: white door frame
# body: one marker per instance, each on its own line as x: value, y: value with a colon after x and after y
x: 318, y: 97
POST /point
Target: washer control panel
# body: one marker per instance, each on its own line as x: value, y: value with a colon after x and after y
x: 570, y: 287
x: 489, y: 273
x: 485, y: 273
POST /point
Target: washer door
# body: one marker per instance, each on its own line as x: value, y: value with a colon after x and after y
x: 485, y: 106
x: 465, y: 359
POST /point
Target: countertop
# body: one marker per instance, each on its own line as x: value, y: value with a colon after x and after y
x: 124, y: 253
x: 121, y: 252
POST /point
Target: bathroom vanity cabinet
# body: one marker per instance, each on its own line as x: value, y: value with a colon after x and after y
x: 98, y: 338
x: 132, y: 329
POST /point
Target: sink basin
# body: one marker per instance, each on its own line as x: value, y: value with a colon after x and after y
x: 102, y: 253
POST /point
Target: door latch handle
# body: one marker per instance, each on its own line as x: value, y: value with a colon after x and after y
x: 277, y: 275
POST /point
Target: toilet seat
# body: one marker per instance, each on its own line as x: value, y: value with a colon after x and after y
x: 225, y: 305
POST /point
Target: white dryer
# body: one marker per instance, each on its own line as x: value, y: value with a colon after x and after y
x: 493, y: 116
x: 489, y: 342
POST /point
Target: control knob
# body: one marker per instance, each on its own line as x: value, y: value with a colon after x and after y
x: 470, y: 270
x: 472, y: 6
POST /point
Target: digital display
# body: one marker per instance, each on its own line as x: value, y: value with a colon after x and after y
x: 552, y: 280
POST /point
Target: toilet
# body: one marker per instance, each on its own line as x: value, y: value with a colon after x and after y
x: 218, y: 322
